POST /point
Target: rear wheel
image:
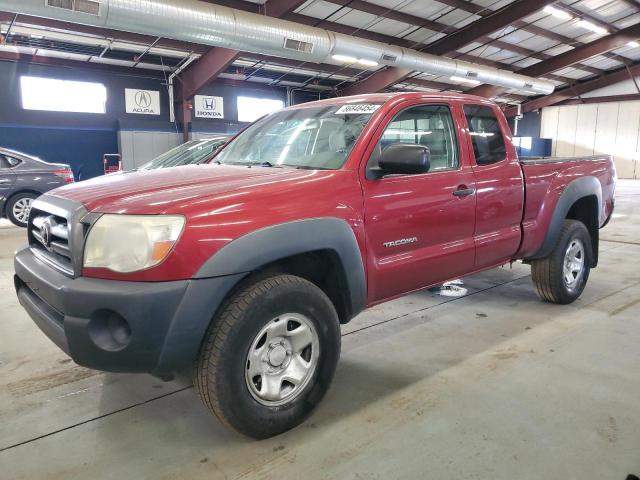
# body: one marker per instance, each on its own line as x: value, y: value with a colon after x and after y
x: 18, y: 208
x: 269, y: 356
x: 562, y: 276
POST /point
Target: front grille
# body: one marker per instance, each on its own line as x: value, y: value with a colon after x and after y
x: 49, y: 238
x: 56, y: 232
x: 51, y: 233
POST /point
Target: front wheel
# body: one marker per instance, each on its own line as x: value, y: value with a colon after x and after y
x: 18, y: 208
x: 269, y: 355
x: 562, y: 276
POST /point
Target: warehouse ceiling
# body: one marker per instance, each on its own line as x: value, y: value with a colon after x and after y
x: 591, y: 41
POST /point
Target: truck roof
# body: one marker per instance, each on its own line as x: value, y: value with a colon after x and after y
x: 385, y: 97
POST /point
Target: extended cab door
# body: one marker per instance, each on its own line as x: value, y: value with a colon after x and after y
x: 419, y: 227
x: 499, y: 185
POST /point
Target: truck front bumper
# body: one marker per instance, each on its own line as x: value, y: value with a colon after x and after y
x: 153, y: 327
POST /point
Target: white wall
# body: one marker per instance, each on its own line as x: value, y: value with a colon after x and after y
x: 138, y: 147
x: 591, y: 129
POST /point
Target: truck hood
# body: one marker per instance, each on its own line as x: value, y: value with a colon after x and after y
x: 169, y: 190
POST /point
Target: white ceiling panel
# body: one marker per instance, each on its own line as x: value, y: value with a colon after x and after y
x: 492, y: 4
x: 526, y: 62
x: 558, y: 49
x: 458, y: 18
x: 607, y: 10
x: 390, y: 27
x: 469, y: 47
x: 571, y: 72
x: 628, y: 52
x: 354, y: 18
x: 503, y: 31
x: 536, y: 43
x: 602, y: 63
x: 318, y: 8
x: 423, y: 35
x: 517, y: 36
x: 422, y: 9
x: 627, y: 22
x: 503, y: 56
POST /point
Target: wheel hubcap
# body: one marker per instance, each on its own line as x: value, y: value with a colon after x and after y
x: 573, y: 267
x: 21, y: 209
x: 282, y: 359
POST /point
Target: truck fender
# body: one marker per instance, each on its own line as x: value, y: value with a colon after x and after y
x: 266, y: 245
x: 574, y: 191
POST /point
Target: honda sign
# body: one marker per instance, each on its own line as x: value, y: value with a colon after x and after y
x: 208, y: 107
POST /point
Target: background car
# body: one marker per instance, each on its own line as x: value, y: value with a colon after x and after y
x: 189, y: 153
x: 23, y: 178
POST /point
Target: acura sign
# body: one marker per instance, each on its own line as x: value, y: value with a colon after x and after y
x: 208, y: 107
x: 144, y: 102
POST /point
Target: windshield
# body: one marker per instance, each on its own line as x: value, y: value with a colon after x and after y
x: 188, y: 153
x: 314, y: 137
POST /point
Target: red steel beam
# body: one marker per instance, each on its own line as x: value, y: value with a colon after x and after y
x: 495, y: 21
x: 577, y: 90
x: 74, y: 64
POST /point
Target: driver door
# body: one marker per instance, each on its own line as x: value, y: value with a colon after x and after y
x: 420, y: 227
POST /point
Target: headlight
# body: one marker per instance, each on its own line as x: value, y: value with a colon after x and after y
x: 127, y: 243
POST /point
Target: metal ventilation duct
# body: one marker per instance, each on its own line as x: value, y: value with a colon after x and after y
x: 206, y: 23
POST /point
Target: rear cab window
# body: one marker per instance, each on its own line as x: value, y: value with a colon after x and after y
x: 486, y: 135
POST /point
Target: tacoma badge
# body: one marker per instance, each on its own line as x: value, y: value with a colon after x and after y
x: 402, y: 241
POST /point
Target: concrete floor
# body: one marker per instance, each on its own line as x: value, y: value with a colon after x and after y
x: 493, y: 385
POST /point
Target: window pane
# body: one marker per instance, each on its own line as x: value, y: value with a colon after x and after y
x: 251, y: 109
x: 307, y: 137
x: 62, y: 95
x: 428, y: 125
x: 486, y: 136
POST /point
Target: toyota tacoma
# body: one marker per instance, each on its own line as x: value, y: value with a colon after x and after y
x: 241, y: 271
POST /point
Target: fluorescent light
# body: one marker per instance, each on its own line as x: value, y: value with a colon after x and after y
x: 366, y: 63
x: 344, y: 58
x: 634, y: 44
x: 556, y: 12
x: 465, y: 80
x: 593, y: 27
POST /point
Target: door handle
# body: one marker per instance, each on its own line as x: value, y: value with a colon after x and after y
x: 464, y: 192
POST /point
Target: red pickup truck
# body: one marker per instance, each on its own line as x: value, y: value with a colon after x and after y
x: 242, y: 271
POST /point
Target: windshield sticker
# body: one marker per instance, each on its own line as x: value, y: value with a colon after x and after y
x: 358, y: 108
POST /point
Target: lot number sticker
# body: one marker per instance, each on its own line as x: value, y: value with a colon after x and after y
x: 365, y: 108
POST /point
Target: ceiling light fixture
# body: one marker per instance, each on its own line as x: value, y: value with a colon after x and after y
x: 344, y: 58
x: 465, y: 80
x: 634, y: 44
x: 556, y: 12
x: 593, y: 27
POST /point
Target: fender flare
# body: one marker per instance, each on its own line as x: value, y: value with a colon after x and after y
x: 272, y: 243
x: 574, y: 191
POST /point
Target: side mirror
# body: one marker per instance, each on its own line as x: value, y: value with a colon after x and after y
x: 404, y: 158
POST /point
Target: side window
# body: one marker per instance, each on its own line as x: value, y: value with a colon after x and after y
x: 8, y: 162
x: 428, y: 125
x: 486, y: 136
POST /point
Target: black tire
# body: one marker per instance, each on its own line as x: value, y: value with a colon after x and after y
x: 548, y: 274
x: 12, y: 202
x: 220, y: 369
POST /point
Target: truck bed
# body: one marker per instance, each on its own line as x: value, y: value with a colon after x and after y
x: 546, y: 178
